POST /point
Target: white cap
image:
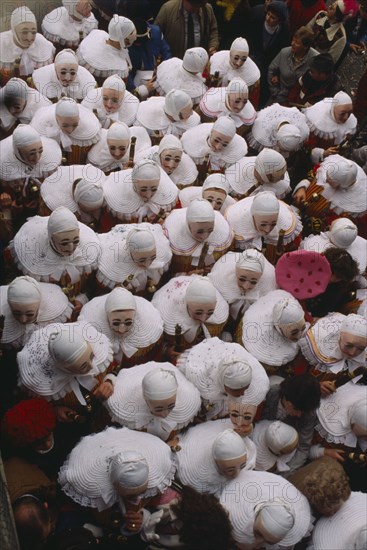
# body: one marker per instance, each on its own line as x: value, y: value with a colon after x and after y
x: 287, y: 311
x: 88, y: 193
x: 25, y: 135
x: 66, y: 56
x: 65, y: 346
x: 228, y: 445
x: 66, y: 107
x: 237, y: 86
x: 202, y: 291
x: 21, y: 15
x: 169, y: 141
x: 252, y: 260
x: 146, y: 169
x: 24, y: 290
x: 119, y: 299
x: 70, y: 5
x: 118, y: 130
x: 236, y: 373
x: 288, y: 137
x: 279, y: 436
x: 129, y: 470
x: 240, y: 45
x: 358, y: 413
x: 200, y: 210
x: 15, y: 87
x: 226, y: 126
x: 114, y: 82
x: 354, y: 324
x: 174, y: 102
x: 120, y: 28
x: 343, y: 232
x: 159, y: 384
x: 140, y: 239
x: 269, y: 161
x: 61, y: 219
x: 216, y: 181
x: 195, y: 60
x: 276, y: 518
x: 340, y: 98
x: 265, y: 203
x: 343, y: 173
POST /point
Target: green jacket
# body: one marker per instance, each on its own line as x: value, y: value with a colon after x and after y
x: 172, y: 23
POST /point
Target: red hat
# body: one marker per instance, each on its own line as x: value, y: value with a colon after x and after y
x: 28, y: 421
x: 303, y: 273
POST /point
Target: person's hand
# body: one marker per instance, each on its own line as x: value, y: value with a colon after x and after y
x: 172, y: 354
x: 64, y: 414
x: 150, y: 525
x: 357, y: 48
x: 150, y: 84
x: 196, y: 272
x: 336, y: 454
x: 77, y: 307
x: 103, y: 391
x: 133, y: 521
x: 327, y: 387
x: 299, y: 196
x: 212, y: 51
x: 5, y: 200
x: 331, y: 151
x: 275, y: 80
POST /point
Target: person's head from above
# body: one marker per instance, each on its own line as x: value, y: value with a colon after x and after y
x: 66, y: 67
x: 326, y: 486
x: 272, y: 522
x: 288, y: 137
x: 276, y: 13
x: 338, y: 11
x: 241, y: 415
x: 129, y: 475
x: 270, y: 166
x: 24, y: 299
x: 236, y: 95
x: 302, y: 41
x: 341, y: 107
x: 67, y: 115
x: 170, y: 153
x: 137, y: 9
x: 204, y: 523
x: 353, y: 336
x: 200, y: 299
x: 30, y: 424
x: 178, y: 105
x: 344, y: 269
x: 63, y: 231
x: 122, y: 30
x: 342, y: 174
x: 70, y: 351
x: 78, y: 9
x: 230, y: 453
x: 289, y: 319
x: 321, y: 67
x: 32, y: 520
x: 195, y: 60
x: 120, y: 308
x: 142, y: 247
x: 280, y: 438
x: 343, y: 232
x: 200, y: 219
x: 160, y: 391
x: 249, y: 268
x: 193, y: 6
x: 145, y: 178
x: 143, y: 32
x: 238, y: 53
x: 362, y: 8
x: 222, y: 133
x: 27, y: 144
x: 235, y: 376
x: 113, y: 92
x: 265, y: 211
x: 300, y: 394
x: 24, y: 27
x: 215, y: 190
x: 15, y: 96
x: 358, y: 418
x: 88, y: 194
x: 118, y: 139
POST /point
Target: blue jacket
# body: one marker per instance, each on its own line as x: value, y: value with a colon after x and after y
x: 145, y: 56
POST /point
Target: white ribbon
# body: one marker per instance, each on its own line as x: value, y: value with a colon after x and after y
x: 27, y: 65
x: 209, y: 259
x: 59, y: 135
x: 87, y: 381
x: 141, y: 275
x: 282, y: 461
x: 161, y: 427
x: 147, y: 208
x: 121, y: 347
x: 70, y: 269
x: 191, y: 332
x: 107, y: 118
